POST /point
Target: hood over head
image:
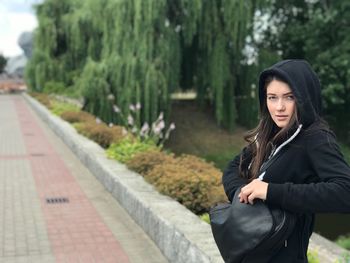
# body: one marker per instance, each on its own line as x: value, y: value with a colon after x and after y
x: 304, y: 84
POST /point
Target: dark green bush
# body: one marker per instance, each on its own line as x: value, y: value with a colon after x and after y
x: 101, y: 133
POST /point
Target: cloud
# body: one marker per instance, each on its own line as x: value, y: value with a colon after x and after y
x: 16, y: 17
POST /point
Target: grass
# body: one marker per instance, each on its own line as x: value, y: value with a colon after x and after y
x: 197, y: 133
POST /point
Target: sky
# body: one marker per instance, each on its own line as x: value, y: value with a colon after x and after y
x: 16, y: 16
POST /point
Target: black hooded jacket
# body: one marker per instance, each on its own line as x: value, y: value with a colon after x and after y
x: 309, y: 175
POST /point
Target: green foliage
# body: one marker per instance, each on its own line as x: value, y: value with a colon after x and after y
x: 344, y: 241
x: 54, y: 87
x: 205, y: 217
x: 317, y: 31
x: 3, y: 62
x: 127, y: 148
x: 95, y: 89
x: 141, y: 51
x: 100, y: 133
x: 312, y: 257
x: 58, y: 107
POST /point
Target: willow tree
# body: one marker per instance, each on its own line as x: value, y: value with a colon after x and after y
x: 47, y: 63
x: 141, y: 51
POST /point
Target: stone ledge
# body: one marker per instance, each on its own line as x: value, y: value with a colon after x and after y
x: 180, y: 235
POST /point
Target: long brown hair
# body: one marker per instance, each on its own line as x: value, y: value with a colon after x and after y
x: 262, y: 139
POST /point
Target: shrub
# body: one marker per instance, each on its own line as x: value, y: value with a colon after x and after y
x: 101, y: 133
x: 127, y: 148
x: 143, y: 162
x: 344, y: 241
x: 42, y: 98
x: 77, y: 116
x: 190, y: 180
x: 58, y: 108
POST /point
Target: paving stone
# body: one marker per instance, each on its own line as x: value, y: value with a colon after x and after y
x: 32, y: 169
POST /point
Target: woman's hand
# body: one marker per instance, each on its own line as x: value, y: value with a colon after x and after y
x: 255, y: 189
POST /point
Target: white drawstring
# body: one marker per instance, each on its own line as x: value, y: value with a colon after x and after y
x: 261, y: 176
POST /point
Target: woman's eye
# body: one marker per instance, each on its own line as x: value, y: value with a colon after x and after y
x: 290, y: 97
x: 271, y: 97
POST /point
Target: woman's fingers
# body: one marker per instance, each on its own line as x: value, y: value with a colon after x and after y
x: 255, y: 189
x: 245, y: 192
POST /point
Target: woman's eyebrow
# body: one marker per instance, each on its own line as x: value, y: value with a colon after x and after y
x: 285, y: 94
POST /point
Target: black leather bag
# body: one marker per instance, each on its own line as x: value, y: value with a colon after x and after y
x: 250, y: 233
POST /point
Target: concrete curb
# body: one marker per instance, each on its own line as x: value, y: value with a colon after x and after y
x: 180, y: 235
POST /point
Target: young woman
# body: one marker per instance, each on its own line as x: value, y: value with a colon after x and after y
x: 309, y: 174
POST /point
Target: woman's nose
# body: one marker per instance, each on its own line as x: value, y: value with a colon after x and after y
x: 280, y: 105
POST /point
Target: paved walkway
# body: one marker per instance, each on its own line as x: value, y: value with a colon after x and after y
x: 51, y: 208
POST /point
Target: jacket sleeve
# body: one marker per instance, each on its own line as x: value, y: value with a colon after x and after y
x: 231, y: 179
x: 330, y: 194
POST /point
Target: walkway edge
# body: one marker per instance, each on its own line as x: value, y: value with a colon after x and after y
x: 180, y: 235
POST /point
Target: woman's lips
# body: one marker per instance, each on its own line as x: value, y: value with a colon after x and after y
x: 281, y: 117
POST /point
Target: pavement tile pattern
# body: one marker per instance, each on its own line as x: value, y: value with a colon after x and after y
x: 45, y: 216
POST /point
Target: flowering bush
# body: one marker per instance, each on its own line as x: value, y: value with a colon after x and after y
x: 128, y: 147
x: 155, y: 132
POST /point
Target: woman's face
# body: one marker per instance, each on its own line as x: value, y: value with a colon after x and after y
x: 280, y: 102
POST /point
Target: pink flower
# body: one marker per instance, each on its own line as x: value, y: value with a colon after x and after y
x: 110, y: 97
x: 161, y: 125
x: 156, y: 130
x: 98, y: 121
x: 145, y: 128
x: 138, y: 105
x: 130, y: 120
x: 132, y: 107
x: 116, y: 109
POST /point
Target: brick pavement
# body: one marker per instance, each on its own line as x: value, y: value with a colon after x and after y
x: 53, y: 210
